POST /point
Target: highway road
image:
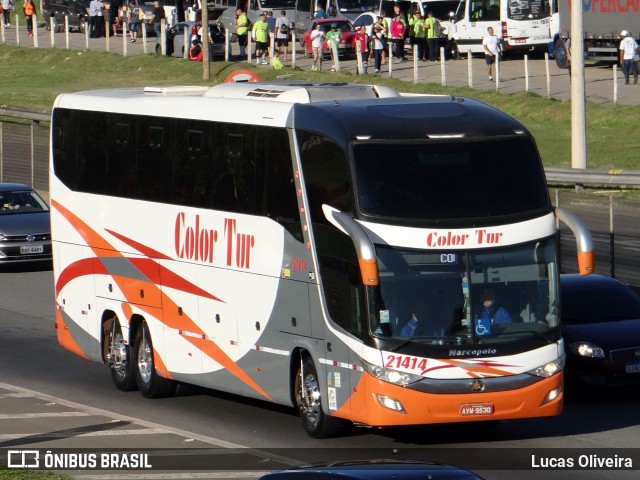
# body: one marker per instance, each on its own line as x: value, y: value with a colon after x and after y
x: 50, y: 398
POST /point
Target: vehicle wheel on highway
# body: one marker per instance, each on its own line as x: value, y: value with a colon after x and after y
x: 82, y: 25
x: 150, y: 384
x: 158, y: 49
x: 121, y: 360
x: 309, y: 400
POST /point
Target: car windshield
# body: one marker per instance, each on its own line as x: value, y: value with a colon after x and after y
x: 595, y: 303
x: 467, y: 296
x: 21, y: 201
x: 358, y: 5
x: 342, y: 26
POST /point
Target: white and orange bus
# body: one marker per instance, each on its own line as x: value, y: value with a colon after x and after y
x: 276, y: 241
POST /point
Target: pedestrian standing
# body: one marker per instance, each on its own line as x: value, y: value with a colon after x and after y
x: 133, y: 21
x: 333, y: 41
x: 628, y: 50
x: 432, y: 36
x: 491, y: 44
x: 378, y: 48
x: 101, y: 31
x: 261, y: 36
x: 397, y: 34
x: 29, y: 10
x: 283, y: 28
x: 7, y: 5
x: 317, y: 42
x: 242, y: 28
x: 157, y: 16
x: 272, y: 30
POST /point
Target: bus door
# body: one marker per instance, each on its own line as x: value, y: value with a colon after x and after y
x: 528, y: 22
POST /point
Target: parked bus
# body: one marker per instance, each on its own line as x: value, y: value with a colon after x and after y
x: 523, y: 25
x: 278, y: 241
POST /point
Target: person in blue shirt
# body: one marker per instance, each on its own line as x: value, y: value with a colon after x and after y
x: 414, y: 326
x: 491, y: 311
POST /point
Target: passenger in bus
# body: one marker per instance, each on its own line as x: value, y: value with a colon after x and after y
x: 415, y: 325
x: 492, y: 311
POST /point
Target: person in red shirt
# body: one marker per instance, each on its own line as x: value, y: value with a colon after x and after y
x: 397, y: 34
x: 362, y: 40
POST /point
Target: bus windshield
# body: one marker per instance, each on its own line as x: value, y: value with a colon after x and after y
x: 466, y: 297
x: 441, y: 181
x: 277, y: 5
x: 528, y: 9
x: 345, y: 6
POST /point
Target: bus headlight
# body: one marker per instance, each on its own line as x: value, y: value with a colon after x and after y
x: 548, y: 369
x: 586, y: 349
x: 392, y: 376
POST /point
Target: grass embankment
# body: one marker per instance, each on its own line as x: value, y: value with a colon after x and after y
x: 33, y: 78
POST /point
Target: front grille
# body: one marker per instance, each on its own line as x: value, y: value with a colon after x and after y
x: 625, y: 355
x: 22, y: 238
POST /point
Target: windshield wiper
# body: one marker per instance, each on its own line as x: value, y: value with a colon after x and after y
x: 453, y: 340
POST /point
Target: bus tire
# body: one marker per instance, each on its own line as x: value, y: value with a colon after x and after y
x: 316, y: 423
x: 150, y: 384
x: 121, y: 362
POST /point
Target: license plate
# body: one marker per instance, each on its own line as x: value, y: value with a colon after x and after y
x: 31, y: 249
x: 633, y: 368
x: 476, y: 409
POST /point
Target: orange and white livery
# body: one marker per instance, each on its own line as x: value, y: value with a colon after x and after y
x: 363, y: 255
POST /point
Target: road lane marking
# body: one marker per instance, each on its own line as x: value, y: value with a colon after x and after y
x: 10, y: 416
x: 157, y: 428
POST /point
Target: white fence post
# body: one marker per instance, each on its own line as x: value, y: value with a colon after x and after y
x: 546, y: 64
x: 443, y: 72
x: 526, y: 73
x: 470, y: 68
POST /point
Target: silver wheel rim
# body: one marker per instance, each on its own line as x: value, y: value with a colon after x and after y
x: 310, y: 399
x: 145, y: 360
x: 119, y: 355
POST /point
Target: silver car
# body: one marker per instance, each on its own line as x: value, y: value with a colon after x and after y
x: 25, y: 230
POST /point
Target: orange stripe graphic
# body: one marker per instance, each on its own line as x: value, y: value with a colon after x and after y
x: 101, y: 247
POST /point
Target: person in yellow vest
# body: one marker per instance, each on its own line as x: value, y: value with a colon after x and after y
x: 421, y: 37
x: 242, y: 26
x: 261, y: 36
x: 29, y: 10
x: 432, y: 36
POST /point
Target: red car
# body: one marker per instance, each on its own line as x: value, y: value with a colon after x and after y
x: 348, y: 32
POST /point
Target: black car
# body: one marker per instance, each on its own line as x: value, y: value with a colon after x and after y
x: 55, y: 11
x: 601, y: 331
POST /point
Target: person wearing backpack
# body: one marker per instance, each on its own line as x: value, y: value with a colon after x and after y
x: 283, y: 27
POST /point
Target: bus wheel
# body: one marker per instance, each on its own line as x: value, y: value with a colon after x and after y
x: 309, y: 399
x: 151, y: 385
x: 121, y: 362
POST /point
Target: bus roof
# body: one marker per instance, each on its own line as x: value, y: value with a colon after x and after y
x: 348, y: 110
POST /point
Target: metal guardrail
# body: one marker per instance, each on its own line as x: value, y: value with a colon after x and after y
x: 555, y: 175
x: 579, y: 176
x: 25, y: 113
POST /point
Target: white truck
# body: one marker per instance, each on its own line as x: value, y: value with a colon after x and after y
x: 602, y: 23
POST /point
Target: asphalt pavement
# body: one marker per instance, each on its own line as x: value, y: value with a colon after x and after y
x: 536, y: 75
